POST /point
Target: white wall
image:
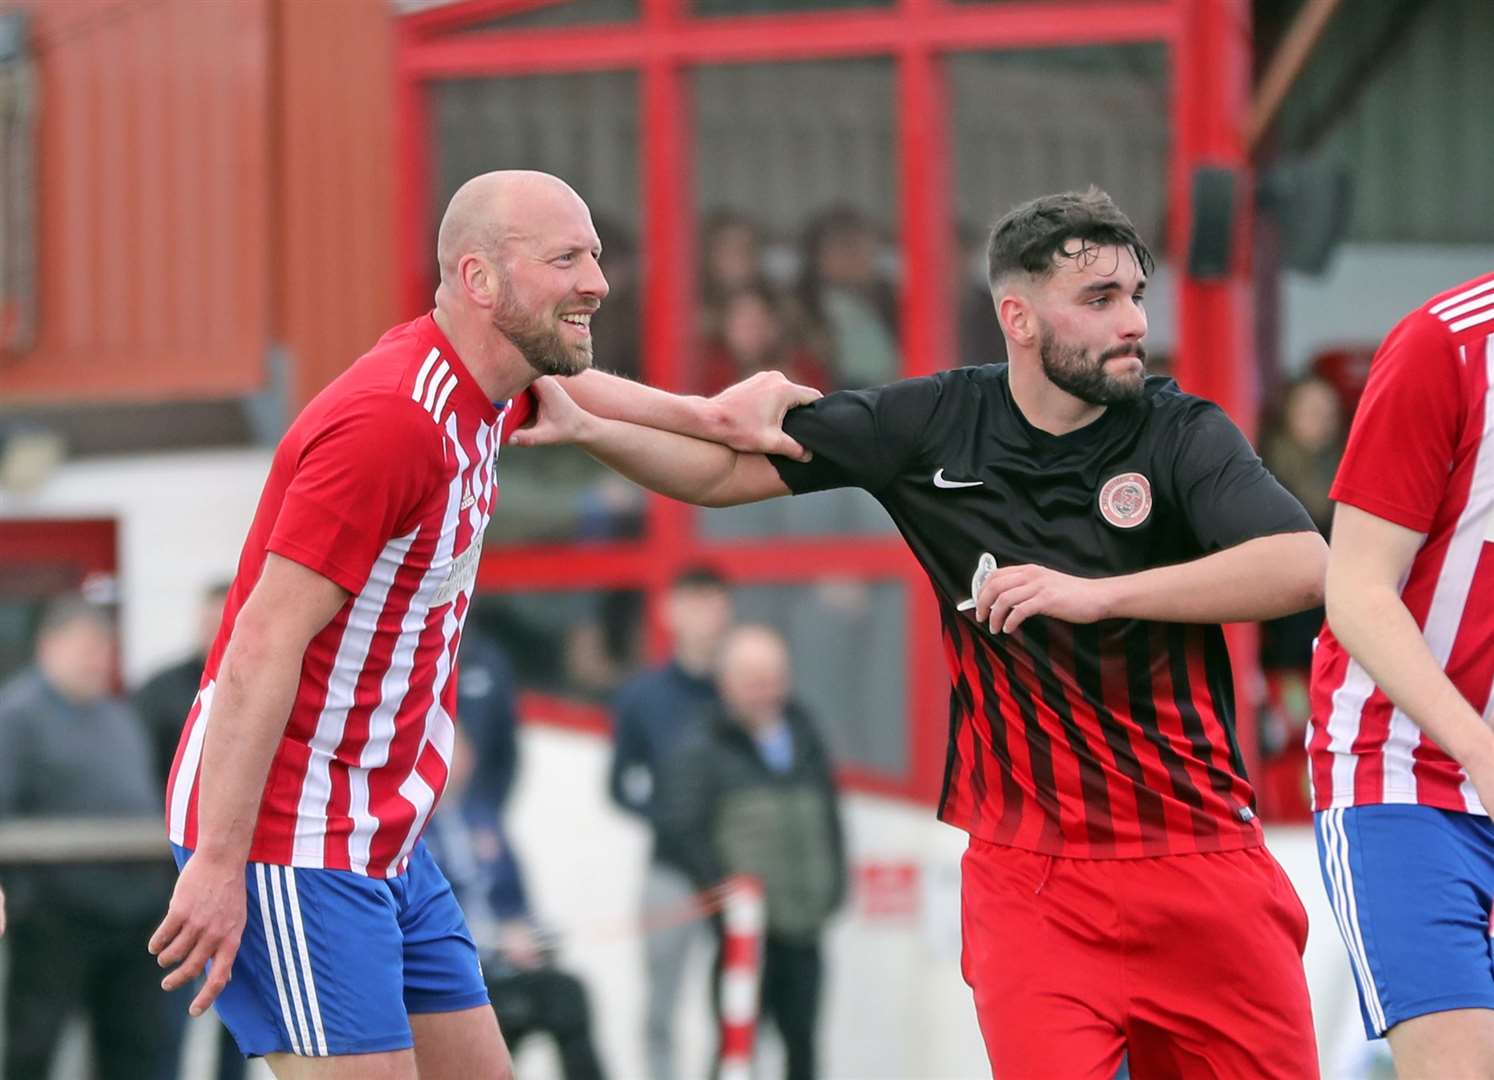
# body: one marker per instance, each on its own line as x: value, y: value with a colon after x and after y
x: 182, y: 520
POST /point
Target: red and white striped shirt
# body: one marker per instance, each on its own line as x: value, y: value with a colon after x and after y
x: 1420, y: 454
x: 384, y: 485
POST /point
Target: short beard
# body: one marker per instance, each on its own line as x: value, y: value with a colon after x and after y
x: 547, y: 352
x: 1069, y: 368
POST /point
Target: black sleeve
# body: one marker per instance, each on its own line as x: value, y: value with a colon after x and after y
x: 1224, y: 490
x: 859, y: 438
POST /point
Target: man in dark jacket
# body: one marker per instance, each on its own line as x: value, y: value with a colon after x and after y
x: 754, y: 794
x: 656, y: 711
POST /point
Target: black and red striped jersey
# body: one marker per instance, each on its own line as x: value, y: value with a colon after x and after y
x: 1109, y: 740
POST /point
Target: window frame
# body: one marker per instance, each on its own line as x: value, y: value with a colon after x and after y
x: 1208, y: 46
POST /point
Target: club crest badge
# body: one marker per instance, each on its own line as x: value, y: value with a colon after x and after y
x: 1126, y: 500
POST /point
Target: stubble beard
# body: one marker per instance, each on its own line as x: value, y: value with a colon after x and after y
x: 542, y: 345
x: 1070, y: 368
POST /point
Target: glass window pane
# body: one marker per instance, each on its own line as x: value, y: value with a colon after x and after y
x: 847, y: 639
x: 1067, y: 118
x: 583, y: 128
x: 797, y: 267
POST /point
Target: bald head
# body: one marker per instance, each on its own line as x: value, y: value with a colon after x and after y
x: 490, y: 210
x: 520, y: 276
x: 754, y: 675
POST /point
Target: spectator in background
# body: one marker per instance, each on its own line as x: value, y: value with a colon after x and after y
x: 654, y: 712
x: 529, y: 993
x: 753, y: 794
x: 1302, y: 451
x: 78, y: 932
x: 164, y: 699
x: 731, y: 259
x: 753, y: 335
x: 162, y: 703
x: 1306, y: 444
x: 849, y: 308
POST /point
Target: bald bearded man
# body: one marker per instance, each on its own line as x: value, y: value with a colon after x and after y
x: 322, y: 731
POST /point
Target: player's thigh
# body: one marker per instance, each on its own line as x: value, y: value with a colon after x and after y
x: 1039, y: 954
x: 392, y: 1065
x: 461, y: 1045
x: 1459, y: 1042
x: 1410, y: 888
x: 1215, y: 966
x: 442, y: 971
x: 319, y: 968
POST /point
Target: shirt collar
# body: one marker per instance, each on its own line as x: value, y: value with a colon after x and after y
x: 468, y: 397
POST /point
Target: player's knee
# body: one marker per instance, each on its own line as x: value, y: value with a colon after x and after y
x: 1454, y: 1042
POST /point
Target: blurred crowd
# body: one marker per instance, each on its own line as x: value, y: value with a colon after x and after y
x: 822, y: 306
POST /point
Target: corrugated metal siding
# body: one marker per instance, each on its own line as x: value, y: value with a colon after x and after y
x: 1419, y: 140
x: 215, y: 180
x: 334, y: 274
x: 152, y: 236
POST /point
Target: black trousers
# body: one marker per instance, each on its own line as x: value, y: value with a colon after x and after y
x: 61, y: 965
x: 791, y: 979
x: 549, y: 1002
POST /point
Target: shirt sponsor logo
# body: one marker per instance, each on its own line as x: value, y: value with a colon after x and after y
x: 1126, y: 500
x: 462, y: 575
x: 940, y: 482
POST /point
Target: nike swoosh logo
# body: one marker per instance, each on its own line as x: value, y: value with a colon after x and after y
x: 940, y: 482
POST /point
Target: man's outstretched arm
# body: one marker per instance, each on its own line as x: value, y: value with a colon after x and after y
x: 747, y: 416
x: 691, y: 470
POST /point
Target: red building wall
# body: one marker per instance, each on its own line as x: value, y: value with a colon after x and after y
x: 202, y: 167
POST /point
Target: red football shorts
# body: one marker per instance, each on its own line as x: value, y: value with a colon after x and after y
x: 1191, y: 963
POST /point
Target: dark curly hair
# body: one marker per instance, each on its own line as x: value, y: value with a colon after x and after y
x: 1033, y: 237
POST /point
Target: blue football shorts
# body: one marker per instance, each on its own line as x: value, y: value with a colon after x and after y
x: 332, y: 962
x: 1412, y: 889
